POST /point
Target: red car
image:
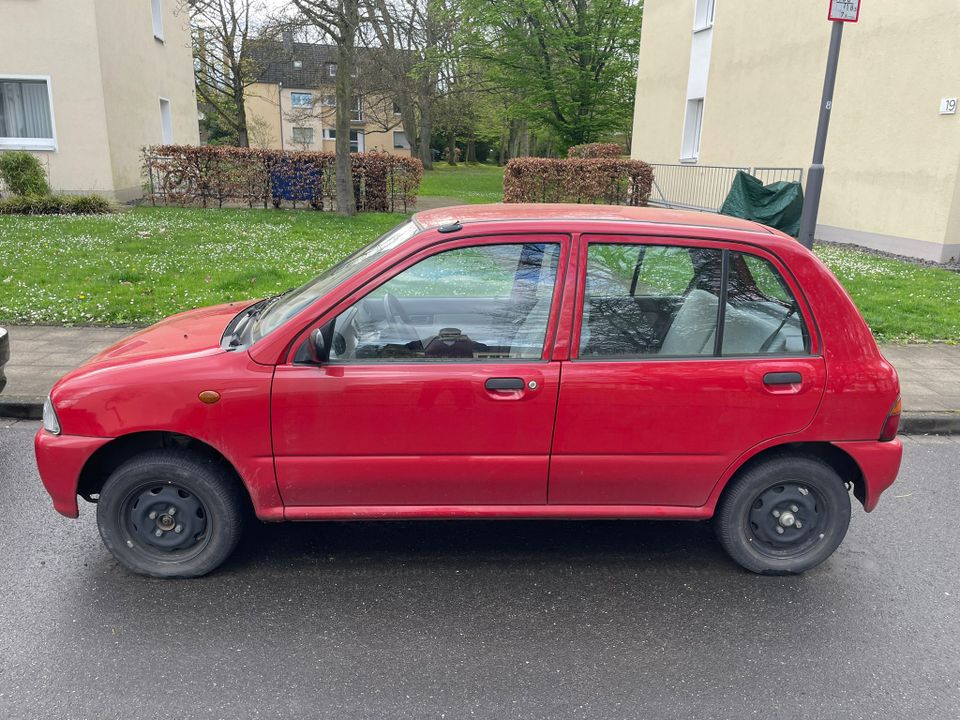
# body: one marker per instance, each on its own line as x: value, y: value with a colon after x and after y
x: 504, y: 361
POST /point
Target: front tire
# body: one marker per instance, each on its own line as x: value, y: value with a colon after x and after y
x: 783, y: 516
x: 170, y: 514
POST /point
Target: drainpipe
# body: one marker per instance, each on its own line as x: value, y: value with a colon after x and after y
x: 280, y: 110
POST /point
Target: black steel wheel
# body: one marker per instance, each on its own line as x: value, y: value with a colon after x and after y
x: 784, y: 516
x: 170, y: 514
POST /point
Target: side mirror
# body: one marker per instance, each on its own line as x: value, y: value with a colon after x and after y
x: 316, y: 347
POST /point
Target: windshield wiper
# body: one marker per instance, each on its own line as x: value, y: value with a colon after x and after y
x: 252, y: 313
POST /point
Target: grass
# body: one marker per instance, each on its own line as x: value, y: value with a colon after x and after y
x: 139, y: 266
x: 469, y: 183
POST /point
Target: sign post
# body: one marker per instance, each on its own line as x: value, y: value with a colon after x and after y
x: 841, y: 11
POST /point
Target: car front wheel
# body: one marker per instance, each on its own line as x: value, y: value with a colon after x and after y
x: 170, y: 514
x: 783, y: 516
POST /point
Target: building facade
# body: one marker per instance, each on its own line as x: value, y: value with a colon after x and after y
x: 86, y: 84
x: 737, y: 83
x: 292, y: 106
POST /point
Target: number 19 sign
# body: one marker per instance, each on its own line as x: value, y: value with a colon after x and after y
x: 844, y: 10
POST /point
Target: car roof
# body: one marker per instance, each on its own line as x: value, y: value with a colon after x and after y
x: 559, y: 212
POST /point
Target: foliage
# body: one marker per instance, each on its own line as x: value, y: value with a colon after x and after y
x: 23, y: 174
x: 467, y: 183
x: 55, y: 205
x: 570, y: 64
x: 140, y: 265
x: 595, y: 150
x: 191, y: 175
x: 604, y: 180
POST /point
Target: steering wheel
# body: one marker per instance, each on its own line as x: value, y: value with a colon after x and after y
x: 397, y: 318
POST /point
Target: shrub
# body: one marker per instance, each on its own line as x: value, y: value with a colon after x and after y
x: 201, y: 175
x: 55, y: 205
x: 595, y: 150
x: 610, y: 181
x: 23, y: 174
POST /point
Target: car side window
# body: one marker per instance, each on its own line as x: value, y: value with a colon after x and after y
x: 761, y: 315
x: 475, y: 303
x: 643, y: 300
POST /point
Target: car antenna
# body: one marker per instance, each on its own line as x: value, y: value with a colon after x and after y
x: 450, y: 227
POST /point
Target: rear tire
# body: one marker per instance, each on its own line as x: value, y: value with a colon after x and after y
x: 784, y: 516
x: 170, y: 514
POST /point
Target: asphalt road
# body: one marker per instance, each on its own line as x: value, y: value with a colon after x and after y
x: 485, y: 619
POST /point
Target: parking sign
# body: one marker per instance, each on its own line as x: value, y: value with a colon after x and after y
x: 844, y: 10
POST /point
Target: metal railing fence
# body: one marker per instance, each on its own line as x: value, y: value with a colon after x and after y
x: 705, y: 187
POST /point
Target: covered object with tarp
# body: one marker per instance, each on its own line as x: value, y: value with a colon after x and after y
x: 778, y: 204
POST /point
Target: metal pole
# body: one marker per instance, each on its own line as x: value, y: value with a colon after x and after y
x: 811, y: 199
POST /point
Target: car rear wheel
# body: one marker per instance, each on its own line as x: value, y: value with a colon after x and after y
x: 784, y: 516
x: 170, y: 514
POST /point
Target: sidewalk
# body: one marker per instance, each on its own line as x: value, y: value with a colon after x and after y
x: 39, y: 355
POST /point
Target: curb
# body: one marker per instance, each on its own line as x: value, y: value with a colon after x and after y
x: 916, y: 423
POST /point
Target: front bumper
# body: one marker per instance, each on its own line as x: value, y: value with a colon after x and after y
x: 60, y: 458
x: 879, y: 462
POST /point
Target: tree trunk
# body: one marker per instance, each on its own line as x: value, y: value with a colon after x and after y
x: 243, y: 137
x: 524, y: 150
x: 426, y: 131
x: 451, y: 148
x: 471, y: 151
x: 501, y: 158
x: 347, y: 27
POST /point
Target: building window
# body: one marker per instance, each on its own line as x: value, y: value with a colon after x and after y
x: 332, y: 69
x: 298, y: 64
x: 400, y: 140
x: 692, y: 126
x: 356, y: 138
x: 396, y: 108
x: 157, y: 13
x: 303, y: 135
x: 703, y: 15
x: 166, y: 122
x: 329, y: 100
x: 26, y: 117
x: 301, y: 100
x: 356, y: 109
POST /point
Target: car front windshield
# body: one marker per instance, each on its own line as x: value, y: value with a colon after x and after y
x: 288, y: 305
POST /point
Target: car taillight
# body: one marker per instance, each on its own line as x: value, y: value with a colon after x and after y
x: 891, y: 424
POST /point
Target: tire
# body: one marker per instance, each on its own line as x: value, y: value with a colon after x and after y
x: 138, y: 529
x: 802, y: 496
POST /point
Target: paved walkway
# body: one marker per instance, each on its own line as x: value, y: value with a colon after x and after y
x: 39, y: 355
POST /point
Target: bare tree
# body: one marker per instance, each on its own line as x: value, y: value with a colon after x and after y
x: 339, y: 20
x: 223, y: 65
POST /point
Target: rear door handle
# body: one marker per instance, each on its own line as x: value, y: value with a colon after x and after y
x: 504, y: 383
x: 782, y: 378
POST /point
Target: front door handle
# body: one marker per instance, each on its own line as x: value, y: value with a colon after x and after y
x: 782, y: 378
x: 504, y: 383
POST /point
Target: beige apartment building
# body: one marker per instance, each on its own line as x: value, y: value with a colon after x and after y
x: 737, y: 84
x: 85, y: 84
x: 292, y: 106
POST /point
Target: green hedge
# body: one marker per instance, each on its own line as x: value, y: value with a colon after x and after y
x: 23, y: 174
x: 55, y: 205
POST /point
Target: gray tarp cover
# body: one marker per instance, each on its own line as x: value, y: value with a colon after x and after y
x: 778, y: 205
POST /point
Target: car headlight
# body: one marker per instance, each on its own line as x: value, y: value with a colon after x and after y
x: 50, y: 422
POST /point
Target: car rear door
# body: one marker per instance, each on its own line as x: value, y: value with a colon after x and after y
x: 655, y: 402
x: 439, y: 389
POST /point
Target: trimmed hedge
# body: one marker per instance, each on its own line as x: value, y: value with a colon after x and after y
x: 609, y: 181
x: 595, y: 150
x: 23, y: 174
x: 208, y: 174
x: 55, y: 205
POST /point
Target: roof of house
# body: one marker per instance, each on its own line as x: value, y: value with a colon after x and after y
x: 583, y: 212
x: 273, y: 61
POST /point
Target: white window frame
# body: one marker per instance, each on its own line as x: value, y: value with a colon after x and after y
x: 301, y: 92
x: 692, y: 130
x: 39, y: 144
x: 166, y: 121
x: 405, y: 146
x: 703, y: 14
x: 331, y: 70
x: 331, y: 134
x: 293, y: 132
x: 156, y: 13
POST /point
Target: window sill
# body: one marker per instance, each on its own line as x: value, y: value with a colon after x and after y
x: 159, y: 39
x: 701, y: 28
x: 688, y: 161
x: 28, y: 144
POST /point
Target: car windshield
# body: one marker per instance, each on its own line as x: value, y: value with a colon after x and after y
x: 288, y: 305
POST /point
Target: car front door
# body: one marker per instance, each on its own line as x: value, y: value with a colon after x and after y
x: 655, y: 402
x: 437, y: 389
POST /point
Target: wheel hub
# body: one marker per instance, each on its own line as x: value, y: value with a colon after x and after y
x: 785, y: 516
x: 167, y: 517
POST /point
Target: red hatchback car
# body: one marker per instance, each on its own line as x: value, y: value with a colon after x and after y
x: 504, y: 361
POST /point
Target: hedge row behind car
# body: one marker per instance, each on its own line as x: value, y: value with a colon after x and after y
x: 612, y: 181
x: 215, y: 175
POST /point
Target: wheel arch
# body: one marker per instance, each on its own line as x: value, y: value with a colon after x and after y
x: 838, y: 459
x: 109, y: 457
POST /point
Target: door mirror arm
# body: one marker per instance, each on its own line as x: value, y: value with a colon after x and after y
x: 313, y: 351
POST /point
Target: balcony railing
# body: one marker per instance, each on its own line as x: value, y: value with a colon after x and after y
x: 705, y: 187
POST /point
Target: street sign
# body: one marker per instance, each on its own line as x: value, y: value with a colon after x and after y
x: 844, y: 10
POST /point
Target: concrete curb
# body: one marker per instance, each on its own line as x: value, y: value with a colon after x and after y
x: 917, y: 423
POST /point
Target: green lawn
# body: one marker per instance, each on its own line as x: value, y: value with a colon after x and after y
x: 138, y: 266
x: 470, y: 183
